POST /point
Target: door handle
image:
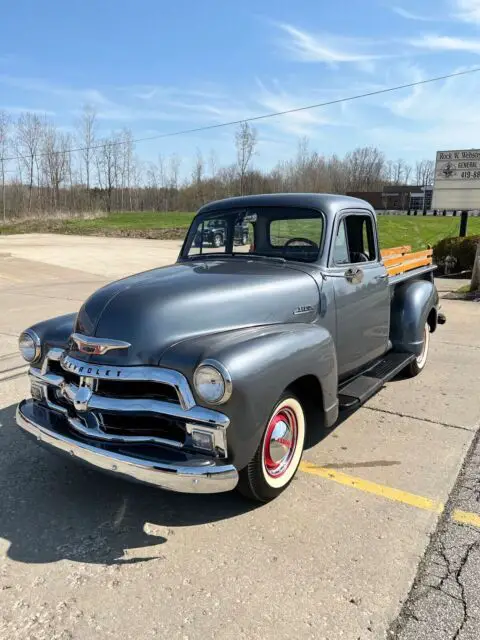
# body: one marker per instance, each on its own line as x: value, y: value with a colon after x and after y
x: 384, y: 276
x: 354, y: 275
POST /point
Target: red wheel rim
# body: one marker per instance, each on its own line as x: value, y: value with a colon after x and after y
x: 280, y: 442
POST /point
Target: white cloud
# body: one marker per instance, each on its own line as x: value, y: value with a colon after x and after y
x: 327, y: 48
x: 434, y: 42
x: 428, y: 118
x: 409, y: 15
x: 467, y: 10
x: 38, y: 85
x: 309, y: 122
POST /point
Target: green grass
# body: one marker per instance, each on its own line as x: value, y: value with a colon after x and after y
x: 464, y: 289
x: 134, y: 221
x: 417, y: 231
x: 147, y: 224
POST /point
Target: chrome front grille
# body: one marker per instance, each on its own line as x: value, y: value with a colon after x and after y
x: 125, y: 404
x: 112, y: 388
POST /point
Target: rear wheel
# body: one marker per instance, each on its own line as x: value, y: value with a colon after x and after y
x: 217, y: 240
x: 276, y: 460
x: 418, y: 365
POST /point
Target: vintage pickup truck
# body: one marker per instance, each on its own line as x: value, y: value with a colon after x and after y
x: 206, y: 375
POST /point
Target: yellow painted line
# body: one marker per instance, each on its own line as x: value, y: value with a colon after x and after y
x: 465, y: 517
x: 397, y: 495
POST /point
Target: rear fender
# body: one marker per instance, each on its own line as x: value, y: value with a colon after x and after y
x: 414, y: 303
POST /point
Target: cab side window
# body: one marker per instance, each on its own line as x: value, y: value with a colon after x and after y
x: 355, y: 240
x: 341, y: 254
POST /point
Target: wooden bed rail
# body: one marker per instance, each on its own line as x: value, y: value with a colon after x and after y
x: 400, y: 259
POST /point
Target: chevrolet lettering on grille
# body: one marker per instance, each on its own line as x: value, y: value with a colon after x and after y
x: 81, y: 369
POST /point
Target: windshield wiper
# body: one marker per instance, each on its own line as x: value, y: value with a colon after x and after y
x: 248, y: 256
x: 201, y: 256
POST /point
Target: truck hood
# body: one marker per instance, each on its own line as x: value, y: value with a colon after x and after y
x: 156, y: 309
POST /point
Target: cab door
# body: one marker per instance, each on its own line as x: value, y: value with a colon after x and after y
x: 362, y: 294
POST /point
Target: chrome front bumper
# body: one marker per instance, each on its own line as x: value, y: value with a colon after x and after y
x: 195, y: 476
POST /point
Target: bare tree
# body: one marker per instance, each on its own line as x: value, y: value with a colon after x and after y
x: 55, y: 160
x: 125, y: 159
x: 87, y: 143
x: 174, y: 172
x: 398, y: 171
x: 365, y: 167
x: 4, y: 147
x: 87, y: 139
x: 198, y: 177
x: 108, y: 167
x: 245, y: 142
x: 424, y: 171
x: 28, y: 139
x: 407, y: 172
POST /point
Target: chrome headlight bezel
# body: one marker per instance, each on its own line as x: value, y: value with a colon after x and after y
x: 35, y: 346
x: 216, y: 369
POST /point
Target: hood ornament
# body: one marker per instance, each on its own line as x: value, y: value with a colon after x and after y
x: 97, y: 346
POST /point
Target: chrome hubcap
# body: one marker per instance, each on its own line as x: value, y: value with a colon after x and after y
x: 280, y: 442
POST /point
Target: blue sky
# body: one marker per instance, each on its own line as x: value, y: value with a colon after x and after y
x: 156, y: 66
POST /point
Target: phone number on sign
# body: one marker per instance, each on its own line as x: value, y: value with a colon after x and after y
x: 472, y: 175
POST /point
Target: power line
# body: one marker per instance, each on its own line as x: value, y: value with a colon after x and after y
x: 264, y: 116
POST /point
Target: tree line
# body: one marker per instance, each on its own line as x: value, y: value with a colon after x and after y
x: 44, y: 170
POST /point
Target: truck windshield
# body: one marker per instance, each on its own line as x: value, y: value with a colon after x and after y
x: 279, y: 232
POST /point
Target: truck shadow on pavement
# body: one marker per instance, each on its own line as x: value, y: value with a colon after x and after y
x: 51, y: 508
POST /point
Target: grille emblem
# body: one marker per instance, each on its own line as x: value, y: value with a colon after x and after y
x: 97, y: 346
x: 83, y: 395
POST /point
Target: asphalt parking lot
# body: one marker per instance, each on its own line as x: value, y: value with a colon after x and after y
x: 87, y: 556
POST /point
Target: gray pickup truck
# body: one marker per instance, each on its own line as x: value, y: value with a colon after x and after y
x: 207, y: 375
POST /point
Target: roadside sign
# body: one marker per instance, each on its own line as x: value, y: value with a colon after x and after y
x: 457, y: 180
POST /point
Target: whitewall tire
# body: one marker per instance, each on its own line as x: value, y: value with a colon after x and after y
x: 277, y: 458
x: 418, y: 365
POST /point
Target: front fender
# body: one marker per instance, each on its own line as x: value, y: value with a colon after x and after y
x: 262, y: 362
x: 411, y: 306
x: 55, y: 332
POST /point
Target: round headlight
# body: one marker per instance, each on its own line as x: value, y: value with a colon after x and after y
x: 212, y: 382
x: 29, y: 345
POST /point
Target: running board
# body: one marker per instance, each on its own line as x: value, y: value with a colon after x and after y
x: 363, y: 387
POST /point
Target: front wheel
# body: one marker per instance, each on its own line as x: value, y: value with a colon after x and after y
x: 276, y: 460
x: 418, y: 365
x: 217, y: 240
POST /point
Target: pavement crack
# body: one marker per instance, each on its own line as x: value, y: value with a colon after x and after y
x: 400, y: 414
x: 457, y: 575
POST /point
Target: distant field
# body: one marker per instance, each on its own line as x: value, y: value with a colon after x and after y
x: 144, y: 225
x: 417, y: 231
x: 394, y: 230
